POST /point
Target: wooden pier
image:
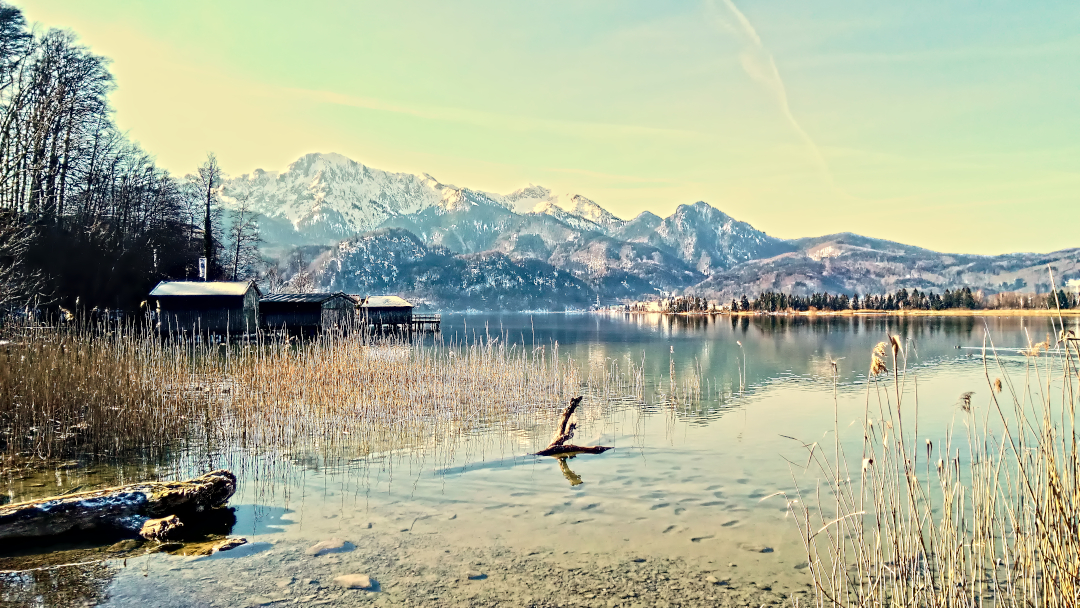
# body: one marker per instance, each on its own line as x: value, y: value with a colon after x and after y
x: 410, y: 323
x: 425, y: 322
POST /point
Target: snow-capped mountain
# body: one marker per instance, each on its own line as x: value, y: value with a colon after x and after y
x: 467, y: 241
x: 587, y: 209
x: 324, y: 198
x: 704, y: 237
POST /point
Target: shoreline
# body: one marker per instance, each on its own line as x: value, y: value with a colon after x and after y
x: 1009, y: 312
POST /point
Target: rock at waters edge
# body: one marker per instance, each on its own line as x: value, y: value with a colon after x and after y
x: 229, y: 543
x: 355, y: 581
x: 162, y: 529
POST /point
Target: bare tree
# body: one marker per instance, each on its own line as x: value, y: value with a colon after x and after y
x: 83, y: 209
x: 303, y: 281
x: 244, y: 240
x: 275, y: 282
x: 208, y: 179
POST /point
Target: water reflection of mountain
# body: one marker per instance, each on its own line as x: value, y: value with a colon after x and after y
x: 729, y: 353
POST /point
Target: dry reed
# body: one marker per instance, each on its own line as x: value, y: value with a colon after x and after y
x: 121, y: 392
x: 66, y: 392
x: 91, y: 391
x: 988, y: 515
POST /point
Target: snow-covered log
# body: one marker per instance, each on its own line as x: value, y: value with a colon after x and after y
x: 121, y: 511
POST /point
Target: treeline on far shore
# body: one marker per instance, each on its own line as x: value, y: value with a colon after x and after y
x: 902, y: 299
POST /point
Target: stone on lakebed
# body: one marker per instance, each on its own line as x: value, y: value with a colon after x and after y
x: 333, y: 545
x: 355, y: 581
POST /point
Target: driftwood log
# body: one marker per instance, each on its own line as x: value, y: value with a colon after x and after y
x: 153, y: 510
x: 565, y: 432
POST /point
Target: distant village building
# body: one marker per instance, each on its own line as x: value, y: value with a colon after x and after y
x: 306, y: 313
x: 385, y: 310
x: 209, y: 307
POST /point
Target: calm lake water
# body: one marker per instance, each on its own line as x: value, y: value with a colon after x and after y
x: 679, y: 513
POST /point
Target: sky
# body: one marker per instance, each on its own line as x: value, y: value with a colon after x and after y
x: 953, y: 126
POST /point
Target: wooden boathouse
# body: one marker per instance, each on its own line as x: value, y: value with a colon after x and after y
x: 306, y: 313
x: 206, y: 307
x: 394, y: 312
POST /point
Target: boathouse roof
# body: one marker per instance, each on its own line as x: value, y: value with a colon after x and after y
x: 385, y: 302
x: 203, y: 288
x: 303, y: 298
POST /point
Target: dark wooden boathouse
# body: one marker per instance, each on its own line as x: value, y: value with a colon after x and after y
x: 207, y: 307
x: 385, y: 311
x: 306, y: 313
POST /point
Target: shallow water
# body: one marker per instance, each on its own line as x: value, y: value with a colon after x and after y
x: 682, y: 511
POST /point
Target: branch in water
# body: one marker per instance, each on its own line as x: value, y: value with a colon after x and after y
x: 565, y: 432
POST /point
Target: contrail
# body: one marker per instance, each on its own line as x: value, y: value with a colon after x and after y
x: 759, y: 65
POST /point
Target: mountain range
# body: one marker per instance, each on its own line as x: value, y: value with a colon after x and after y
x: 370, y: 230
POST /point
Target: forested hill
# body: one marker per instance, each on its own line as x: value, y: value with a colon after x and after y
x: 86, y: 216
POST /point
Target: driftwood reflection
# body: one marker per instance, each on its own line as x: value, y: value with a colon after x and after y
x: 59, y: 587
x: 77, y: 569
x: 572, y: 477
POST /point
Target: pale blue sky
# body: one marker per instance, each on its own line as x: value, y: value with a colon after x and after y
x: 954, y: 126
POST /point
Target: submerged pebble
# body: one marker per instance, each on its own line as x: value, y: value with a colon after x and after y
x: 333, y: 545
x: 230, y: 543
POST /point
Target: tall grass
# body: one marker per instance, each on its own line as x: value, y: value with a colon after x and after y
x: 984, y: 514
x: 382, y: 394
x: 118, y: 392
x: 92, y: 391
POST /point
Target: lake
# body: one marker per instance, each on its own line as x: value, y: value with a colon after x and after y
x: 683, y: 511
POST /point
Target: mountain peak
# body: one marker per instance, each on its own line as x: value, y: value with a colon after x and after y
x: 589, y: 210
x: 531, y: 191
x: 527, y: 199
x: 314, y: 162
x: 323, y: 198
x: 704, y: 209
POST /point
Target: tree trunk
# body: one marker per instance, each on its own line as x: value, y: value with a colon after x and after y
x: 121, y: 511
x: 239, y: 235
x: 208, y: 233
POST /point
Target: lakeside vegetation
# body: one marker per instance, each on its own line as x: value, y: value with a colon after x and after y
x: 983, y: 513
x: 108, y: 392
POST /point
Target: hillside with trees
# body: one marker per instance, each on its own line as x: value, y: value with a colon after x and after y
x: 87, y: 218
